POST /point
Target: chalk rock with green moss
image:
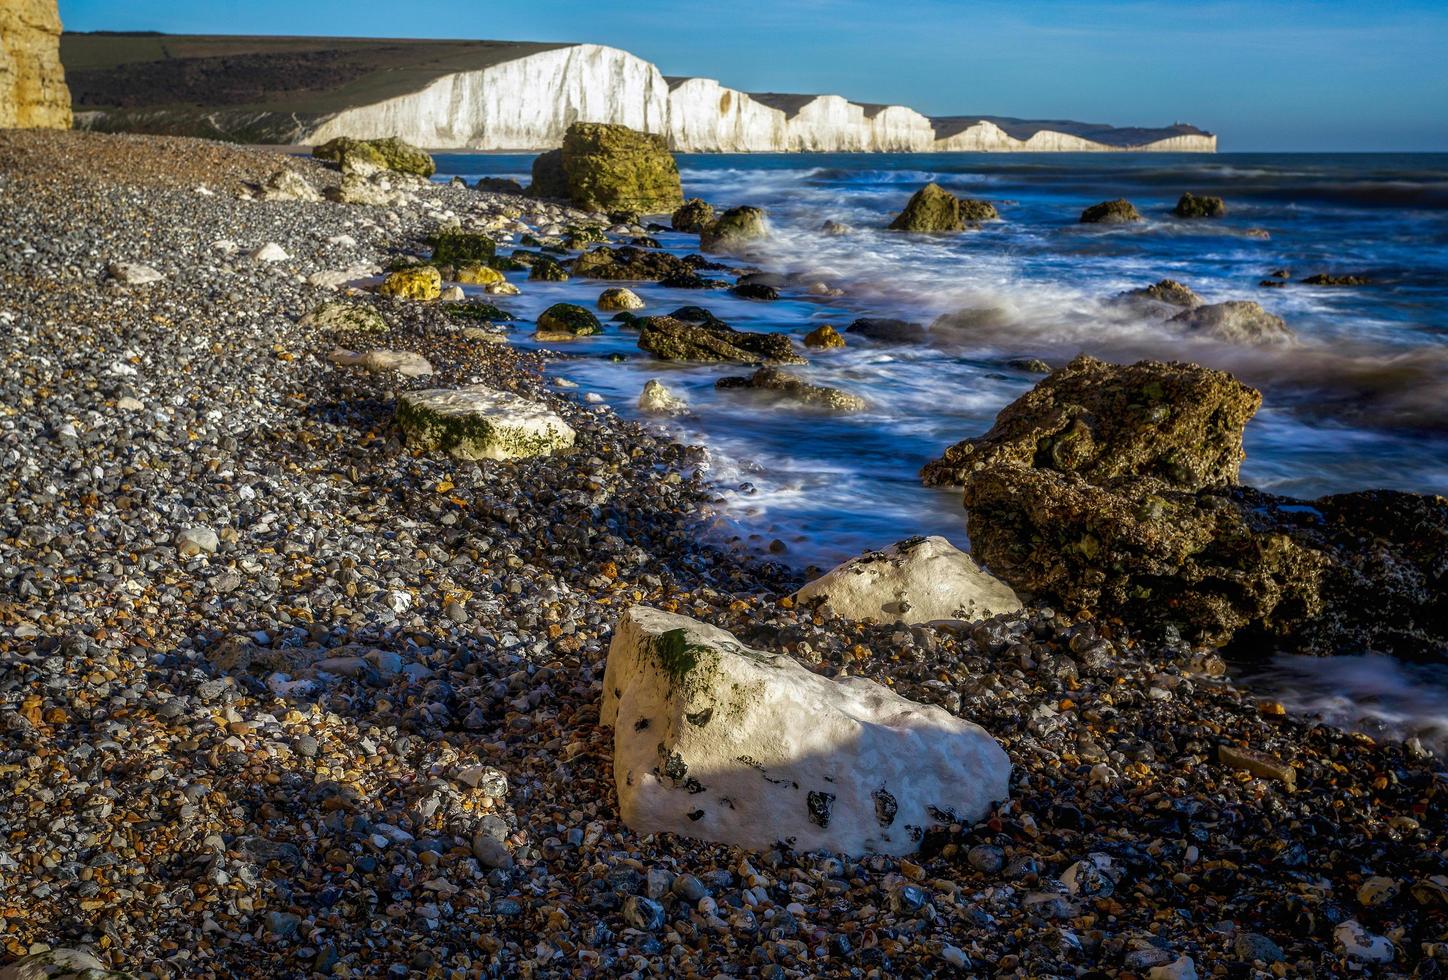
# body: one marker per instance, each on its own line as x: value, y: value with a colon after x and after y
x: 733, y: 229
x: 366, y: 157
x: 478, y: 422
x: 420, y: 282
x: 718, y: 741
x: 342, y: 317
x: 918, y: 580
x: 934, y: 209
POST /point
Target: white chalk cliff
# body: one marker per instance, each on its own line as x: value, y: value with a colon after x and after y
x: 527, y: 103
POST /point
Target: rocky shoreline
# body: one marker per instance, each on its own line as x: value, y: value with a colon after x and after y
x: 282, y: 696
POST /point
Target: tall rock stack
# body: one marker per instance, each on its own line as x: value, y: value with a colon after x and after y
x: 32, y: 82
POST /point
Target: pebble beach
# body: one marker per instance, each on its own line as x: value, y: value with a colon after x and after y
x: 282, y: 696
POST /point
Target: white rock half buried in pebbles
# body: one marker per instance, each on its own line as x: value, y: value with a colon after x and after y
x: 57, y: 963
x: 479, y: 422
x: 917, y: 580
x: 133, y: 273
x: 718, y: 741
x: 270, y: 252
x: 404, y: 362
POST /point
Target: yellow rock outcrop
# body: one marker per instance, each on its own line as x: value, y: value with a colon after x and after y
x: 32, y: 82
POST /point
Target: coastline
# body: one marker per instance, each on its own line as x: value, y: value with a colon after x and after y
x: 345, y: 827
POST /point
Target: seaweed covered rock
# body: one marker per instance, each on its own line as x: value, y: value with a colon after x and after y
x: 1110, y: 212
x: 1190, y: 205
x: 478, y: 422
x: 1237, y: 321
x: 630, y: 263
x: 918, y: 580
x: 608, y: 168
x: 718, y: 741
x: 549, y: 178
x: 542, y: 268
x: 366, y: 157
x: 786, y: 387
x: 824, y: 337
x: 477, y: 274
x: 887, y: 331
x: 694, y: 215
x: 420, y: 282
x: 735, y: 227
x: 1330, y: 279
x: 1180, y: 422
x: 1166, y: 296
x: 565, y: 321
x: 462, y: 246
x: 672, y: 339
x: 934, y: 209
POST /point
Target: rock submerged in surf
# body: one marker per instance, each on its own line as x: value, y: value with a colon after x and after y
x: 933, y: 209
x: 1166, y: 296
x: 1328, y: 279
x: 1238, y: 321
x: 887, y: 331
x: 824, y: 337
x: 1118, y: 211
x: 672, y: 339
x: 787, y: 387
x: 1191, y: 205
x: 732, y: 229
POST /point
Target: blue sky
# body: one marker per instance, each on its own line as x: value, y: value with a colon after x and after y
x: 1264, y: 75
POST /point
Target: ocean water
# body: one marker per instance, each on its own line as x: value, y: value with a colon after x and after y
x: 1360, y: 401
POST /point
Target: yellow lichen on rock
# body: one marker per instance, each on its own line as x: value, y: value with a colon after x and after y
x: 422, y: 282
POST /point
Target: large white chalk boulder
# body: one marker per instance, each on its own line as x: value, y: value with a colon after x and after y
x: 718, y: 741
x: 915, y: 581
x: 478, y: 422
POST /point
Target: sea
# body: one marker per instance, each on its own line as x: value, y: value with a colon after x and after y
x: 1360, y: 401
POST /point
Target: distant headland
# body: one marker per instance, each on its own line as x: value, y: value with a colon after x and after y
x: 509, y: 95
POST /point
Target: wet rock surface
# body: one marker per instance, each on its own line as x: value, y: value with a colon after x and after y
x: 786, y: 387
x: 934, y: 209
x: 1119, y: 211
x: 671, y: 339
x: 283, y: 757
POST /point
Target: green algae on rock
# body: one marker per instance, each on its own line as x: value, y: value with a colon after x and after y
x: 733, y: 228
x: 462, y: 246
x: 1189, y: 205
x: 787, y: 387
x: 1110, y: 212
x: 365, y: 156
x: 934, y: 209
x: 694, y: 215
x: 672, y: 339
x: 605, y: 167
x: 422, y: 282
x: 339, y: 316
x: 564, y: 321
x: 478, y: 422
x: 824, y: 337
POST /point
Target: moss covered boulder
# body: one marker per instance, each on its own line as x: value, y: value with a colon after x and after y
x: 934, y: 209
x: 630, y: 263
x: 342, y: 317
x: 369, y: 156
x: 734, y: 228
x: 791, y: 389
x: 1118, y: 211
x: 545, y: 269
x: 565, y: 321
x: 478, y: 422
x: 1190, y: 205
x: 477, y: 274
x: 618, y: 298
x: 1181, y: 423
x: 694, y: 215
x: 421, y: 282
x: 712, y: 342
x: 824, y: 337
x: 604, y: 167
x: 463, y: 246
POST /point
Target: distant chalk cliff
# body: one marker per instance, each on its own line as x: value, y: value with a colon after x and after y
x: 491, y: 95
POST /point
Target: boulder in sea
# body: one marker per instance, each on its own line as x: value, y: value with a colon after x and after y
x: 787, y: 387
x: 1190, y: 205
x: 919, y: 580
x: 478, y: 274
x: 934, y: 209
x: 755, y: 290
x: 565, y: 321
x: 545, y: 269
x: 288, y: 185
x: 694, y: 215
x: 655, y: 399
x: 887, y: 331
x: 734, y: 228
x: 420, y: 282
x: 1123, y: 501
x: 619, y: 298
x: 671, y: 339
x: 1180, y: 422
x: 1236, y: 321
x: 1110, y: 212
x: 1166, y: 296
x: 1328, y: 279
x: 629, y: 263
x: 454, y: 247
x: 608, y: 167
x: 718, y: 741
x: 823, y: 337
x: 835, y: 229
x: 478, y: 422
x: 339, y: 317
x: 404, y: 158
x: 972, y: 325
x: 499, y: 185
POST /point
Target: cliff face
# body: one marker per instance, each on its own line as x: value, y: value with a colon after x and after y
x: 32, y: 82
x: 490, y: 95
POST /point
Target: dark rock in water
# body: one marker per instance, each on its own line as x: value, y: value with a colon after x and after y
x: 697, y: 314
x: 1112, y: 489
x: 568, y: 319
x: 1110, y: 212
x: 1236, y: 321
x: 644, y: 241
x: 733, y: 228
x: 1190, y: 205
x: 675, y: 340
x: 1031, y: 365
x: 1178, y: 422
x: 755, y: 290
x: 1325, y: 279
x: 694, y: 215
x: 1281, y: 273
x: 791, y: 387
x: 823, y: 337
x: 934, y: 209
x: 1272, y: 284
x: 970, y: 325
x: 545, y: 269
x: 887, y: 331
x: 630, y: 263
x: 498, y: 185
x: 1164, y: 294
x: 549, y: 179
x: 459, y: 247
x: 692, y: 280
x: 613, y: 167
x: 584, y: 235
x: 506, y: 263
